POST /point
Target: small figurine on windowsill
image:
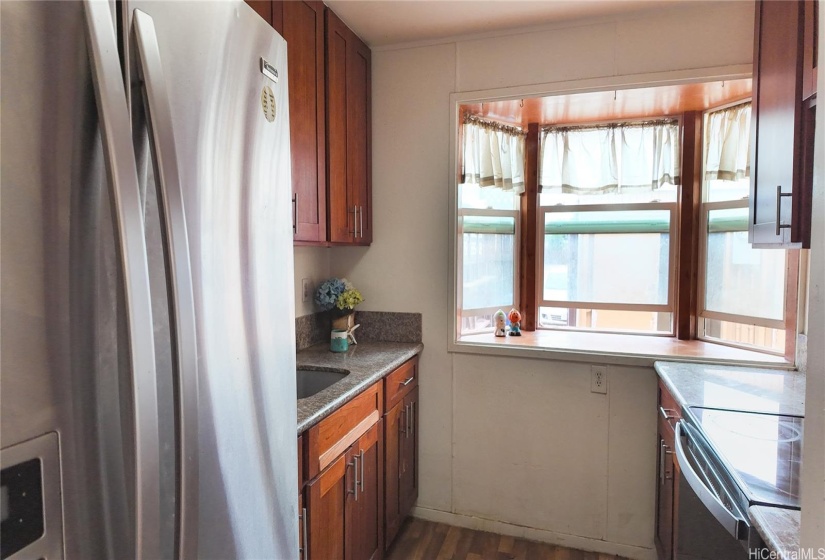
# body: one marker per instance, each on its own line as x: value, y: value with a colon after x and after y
x: 515, y: 322
x: 500, y: 320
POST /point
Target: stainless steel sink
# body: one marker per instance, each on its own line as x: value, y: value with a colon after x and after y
x: 312, y: 381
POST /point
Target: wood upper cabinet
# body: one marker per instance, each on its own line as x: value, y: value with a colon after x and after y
x: 349, y: 157
x: 263, y: 8
x: 780, y: 210
x: 303, y: 29
x: 811, y: 48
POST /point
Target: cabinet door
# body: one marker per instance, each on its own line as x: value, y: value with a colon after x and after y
x: 359, y: 150
x: 664, y: 501
x: 408, y: 477
x: 326, y: 501
x: 341, y: 204
x: 393, y: 433
x: 364, y: 512
x: 303, y: 29
x: 775, y: 203
x: 348, y: 83
x: 811, y: 48
x: 302, y: 520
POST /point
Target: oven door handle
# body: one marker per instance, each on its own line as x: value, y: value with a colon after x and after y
x: 737, y: 527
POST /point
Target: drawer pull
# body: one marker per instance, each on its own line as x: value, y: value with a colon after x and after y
x: 354, y: 466
x: 666, y: 413
x: 407, y: 381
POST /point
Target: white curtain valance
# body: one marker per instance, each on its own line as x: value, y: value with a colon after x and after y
x: 610, y: 158
x: 493, y: 155
x: 727, y: 143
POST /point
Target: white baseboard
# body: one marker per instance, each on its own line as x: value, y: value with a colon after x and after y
x: 530, y: 533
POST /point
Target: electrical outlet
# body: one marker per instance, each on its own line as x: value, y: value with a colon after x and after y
x: 305, y: 289
x: 598, y: 379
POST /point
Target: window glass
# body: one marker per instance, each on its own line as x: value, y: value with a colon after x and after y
x: 488, y: 261
x: 607, y: 257
x: 606, y: 319
x: 741, y: 280
x: 668, y: 192
x: 764, y: 338
x: 481, y: 198
x: 718, y: 190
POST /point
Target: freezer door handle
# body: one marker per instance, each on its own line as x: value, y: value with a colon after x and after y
x: 127, y: 210
x: 176, y: 248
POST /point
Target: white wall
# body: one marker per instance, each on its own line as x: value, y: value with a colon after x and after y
x: 518, y: 445
x: 813, y: 454
x: 312, y: 263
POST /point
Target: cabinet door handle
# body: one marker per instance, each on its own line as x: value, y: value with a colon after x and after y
x: 361, y: 217
x: 408, y: 415
x: 779, y: 195
x: 294, y: 213
x: 661, y: 462
x: 663, y: 453
x: 354, y: 465
x: 305, y: 547
x: 354, y: 230
x: 406, y: 381
x: 412, y: 413
x: 666, y: 413
x: 361, y: 462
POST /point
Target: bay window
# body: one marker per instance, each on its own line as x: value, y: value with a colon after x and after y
x: 589, y: 228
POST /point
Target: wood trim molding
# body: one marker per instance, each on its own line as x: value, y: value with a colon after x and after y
x: 527, y: 243
x: 352, y: 436
x: 687, y: 268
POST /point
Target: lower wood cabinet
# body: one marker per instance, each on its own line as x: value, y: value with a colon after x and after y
x: 667, y: 473
x: 401, y: 464
x: 361, y: 464
x: 344, y: 503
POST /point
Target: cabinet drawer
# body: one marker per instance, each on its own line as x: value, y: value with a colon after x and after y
x: 399, y: 383
x: 333, y: 435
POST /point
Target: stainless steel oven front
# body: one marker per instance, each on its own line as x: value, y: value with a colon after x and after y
x: 731, y: 460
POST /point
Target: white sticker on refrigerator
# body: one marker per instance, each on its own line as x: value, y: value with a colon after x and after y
x: 268, y: 103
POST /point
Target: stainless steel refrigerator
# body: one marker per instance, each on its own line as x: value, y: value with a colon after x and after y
x: 147, y: 362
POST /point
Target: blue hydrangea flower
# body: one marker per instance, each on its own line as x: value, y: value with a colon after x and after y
x: 327, y: 294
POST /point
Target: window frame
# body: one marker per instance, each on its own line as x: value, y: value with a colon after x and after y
x: 669, y: 307
x: 685, y: 317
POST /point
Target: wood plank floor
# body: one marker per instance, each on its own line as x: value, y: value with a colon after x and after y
x: 426, y: 540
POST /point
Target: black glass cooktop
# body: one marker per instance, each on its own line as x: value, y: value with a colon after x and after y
x: 762, y: 451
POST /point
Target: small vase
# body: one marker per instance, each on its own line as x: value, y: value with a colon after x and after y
x: 344, y: 322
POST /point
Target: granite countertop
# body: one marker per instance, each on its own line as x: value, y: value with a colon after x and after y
x: 367, y: 362
x: 735, y: 388
x: 779, y: 528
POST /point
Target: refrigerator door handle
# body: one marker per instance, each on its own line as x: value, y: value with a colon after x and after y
x: 176, y: 247
x: 127, y: 210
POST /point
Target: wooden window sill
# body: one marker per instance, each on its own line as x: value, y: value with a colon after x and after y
x: 619, y: 349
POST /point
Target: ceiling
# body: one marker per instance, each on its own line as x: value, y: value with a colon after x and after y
x: 386, y: 22
x: 609, y: 105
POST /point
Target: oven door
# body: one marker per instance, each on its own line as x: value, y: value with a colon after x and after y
x: 711, y: 523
